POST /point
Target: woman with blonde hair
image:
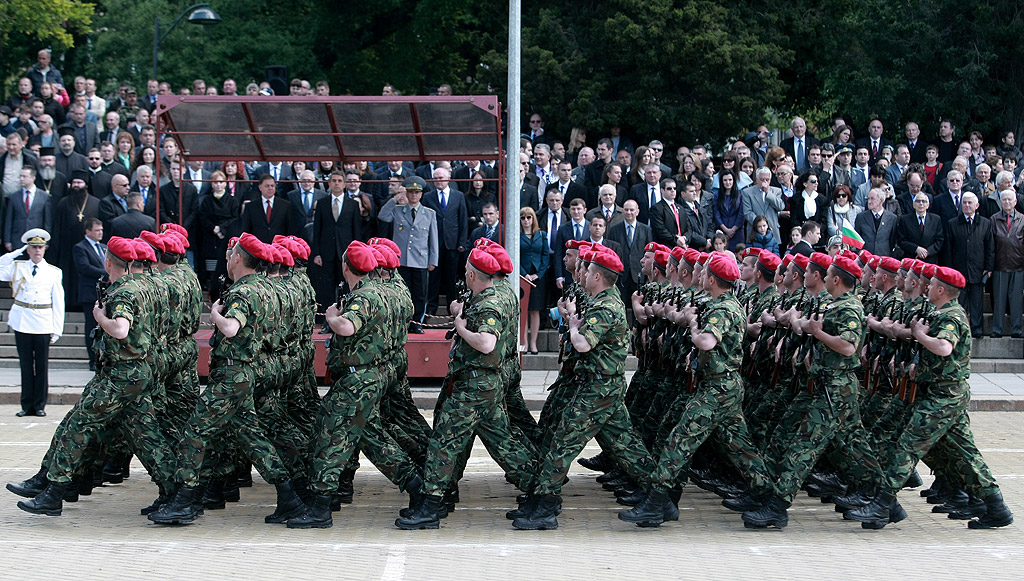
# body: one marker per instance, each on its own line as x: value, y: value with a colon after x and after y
x: 533, y: 265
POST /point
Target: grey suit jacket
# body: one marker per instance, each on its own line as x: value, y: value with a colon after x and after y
x: 416, y: 239
x: 880, y: 241
x: 17, y: 221
x: 756, y: 204
x: 617, y: 216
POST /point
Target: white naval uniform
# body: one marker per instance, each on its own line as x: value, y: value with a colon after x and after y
x: 45, y: 288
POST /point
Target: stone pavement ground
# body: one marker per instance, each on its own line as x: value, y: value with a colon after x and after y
x: 103, y: 536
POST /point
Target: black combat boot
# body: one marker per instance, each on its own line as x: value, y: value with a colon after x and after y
x: 49, y: 502
x: 652, y: 511
x: 424, y: 517
x: 599, y: 463
x: 84, y: 483
x: 301, y: 486
x: 231, y: 492
x: 527, y: 504
x: 747, y: 502
x: 997, y: 514
x: 914, y: 480
x: 851, y: 501
x: 956, y: 500
x: 975, y: 509
x: 316, y: 515
x: 163, y: 498
x: 827, y: 484
x: 346, y: 490
x: 875, y: 514
x: 449, y: 500
x: 543, y: 517
x: 182, y: 509
x: 935, y: 488
x: 32, y: 487
x: 609, y: 476
x: 414, y: 488
x: 611, y: 485
x: 774, y: 513
x: 288, y: 504
x: 631, y: 495
x: 213, y: 498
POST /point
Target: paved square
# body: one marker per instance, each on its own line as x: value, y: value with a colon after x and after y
x: 103, y: 536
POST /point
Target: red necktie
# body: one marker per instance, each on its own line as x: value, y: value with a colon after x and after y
x: 28, y: 206
x: 269, y: 208
x: 676, y: 213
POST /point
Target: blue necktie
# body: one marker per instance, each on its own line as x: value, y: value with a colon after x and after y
x: 444, y: 201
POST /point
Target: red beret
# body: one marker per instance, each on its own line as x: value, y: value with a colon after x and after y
x: 849, y: 254
x: 182, y: 237
x: 575, y: 244
x: 677, y: 253
x: 483, y: 242
x: 284, y: 255
x: 723, y: 267
x: 390, y: 244
x: 232, y: 241
x: 907, y: 264
x: 587, y: 253
x: 769, y: 260
x: 928, y: 270
x: 704, y: 258
x: 390, y: 260
x: 360, y: 257
x: 174, y: 227
x: 278, y: 238
x: 122, y: 248
x: 607, y: 258
x: 501, y: 255
x: 889, y: 263
x: 301, y: 247
x: 143, y: 251
x: 661, y: 257
x: 484, y: 261
x: 289, y: 245
x: 801, y: 261
x: 750, y: 251
x: 378, y: 256
x: 654, y: 247
x: 691, y: 256
x: 873, y: 263
x: 252, y: 245
x: 787, y: 260
x: 950, y: 276
x: 917, y: 266
x: 153, y: 239
x: 821, y: 259
x: 864, y: 256
x: 845, y: 264
x: 584, y: 245
x: 173, y: 243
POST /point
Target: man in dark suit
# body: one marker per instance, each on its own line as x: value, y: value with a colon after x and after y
x: 592, y: 175
x: 89, y: 256
x: 576, y: 228
x: 179, y: 203
x: 698, y: 222
x: 569, y: 189
x: 970, y: 249
x: 338, y: 219
x: 611, y: 211
x: 528, y: 194
x: 550, y: 219
x: 27, y: 209
x: 381, y: 194
x: 133, y: 222
x: 86, y: 136
x: 449, y: 205
x: 798, y: 145
x: 920, y: 234
x: 876, y: 225
x: 99, y: 180
x: 947, y: 205
x: 644, y: 193
x: 144, y: 185
x: 598, y: 227
x: 303, y: 200
x: 810, y: 235
x: 265, y: 217
x: 463, y: 176
x: 490, y: 229
x: 196, y: 174
x: 915, y: 144
x: 632, y: 236
x: 667, y: 221
x: 282, y: 174
x: 111, y: 127
x: 874, y: 141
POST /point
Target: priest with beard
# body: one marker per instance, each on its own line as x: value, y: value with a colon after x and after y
x: 48, y: 179
x: 69, y: 229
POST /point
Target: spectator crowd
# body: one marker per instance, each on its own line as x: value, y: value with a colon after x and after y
x: 71, y: 155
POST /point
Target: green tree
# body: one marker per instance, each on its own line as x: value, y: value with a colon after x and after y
x: 28, y: 25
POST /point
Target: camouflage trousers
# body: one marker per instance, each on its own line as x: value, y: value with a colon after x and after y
x: 302, y: 398
x: 939, y: 416
x: 474, y: 408
x: 116, y: 402
x: 399, y: 413
x: 349, y: 420
x: 596, y: 410
x: 225, y: 418
x: 181, y: 384
x: 714, y: 409
x: 269, y: 400
x: 560, y: 392
x: 812, y: 422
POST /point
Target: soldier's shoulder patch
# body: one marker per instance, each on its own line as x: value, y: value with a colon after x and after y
x: 713, y: 320
x: 234, y: 305
x: 491, y: 321
x: 119, y: 308
x: 592, y: 320
x: 949, y: 326
x: 853, y: 324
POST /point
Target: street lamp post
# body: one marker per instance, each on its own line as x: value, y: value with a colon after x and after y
x: 197, y: 14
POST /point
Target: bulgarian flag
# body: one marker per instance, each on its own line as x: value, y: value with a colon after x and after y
x: 851, y: 237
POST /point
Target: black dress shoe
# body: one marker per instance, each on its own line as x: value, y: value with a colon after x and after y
x: 92, y: 366
x: 415, y: 328
x: 24, y: 413
x: 41, y: 413
x: 1018, y: 335
x: 997, y: 335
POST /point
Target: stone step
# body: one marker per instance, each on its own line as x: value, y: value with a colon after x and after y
x: 1002, y: 348
x: 74, y: 340
x: 549, y: 362
x: 69, y: 328
x: 981, y: 365
x: 56, y: 352
x: 80, y: 364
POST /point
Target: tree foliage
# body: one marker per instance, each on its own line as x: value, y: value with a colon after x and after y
x: 680, y: 70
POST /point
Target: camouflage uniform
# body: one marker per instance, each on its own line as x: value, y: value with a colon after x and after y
x: 119, y: 395
x: 182, y: 385
x: 715, y: 405
x: 473, y: 405
x: 939, y: 414
x: 302, y: 400
x: 226, y: 414
x: 597, y: 408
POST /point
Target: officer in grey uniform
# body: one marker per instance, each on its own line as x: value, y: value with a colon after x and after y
x: 37, y: 316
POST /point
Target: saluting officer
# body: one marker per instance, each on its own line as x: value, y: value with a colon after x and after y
x: 37, y: 317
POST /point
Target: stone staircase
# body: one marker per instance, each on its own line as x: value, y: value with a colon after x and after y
x: 1003, y: 355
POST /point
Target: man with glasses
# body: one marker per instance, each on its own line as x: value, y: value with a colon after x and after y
x: 919, y: 234
x: 877, y: 225
x: 657, y: 150
x: 970, y: 249
x: 949, y: 205
x: 46, y: 137
x: 99, y: 180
